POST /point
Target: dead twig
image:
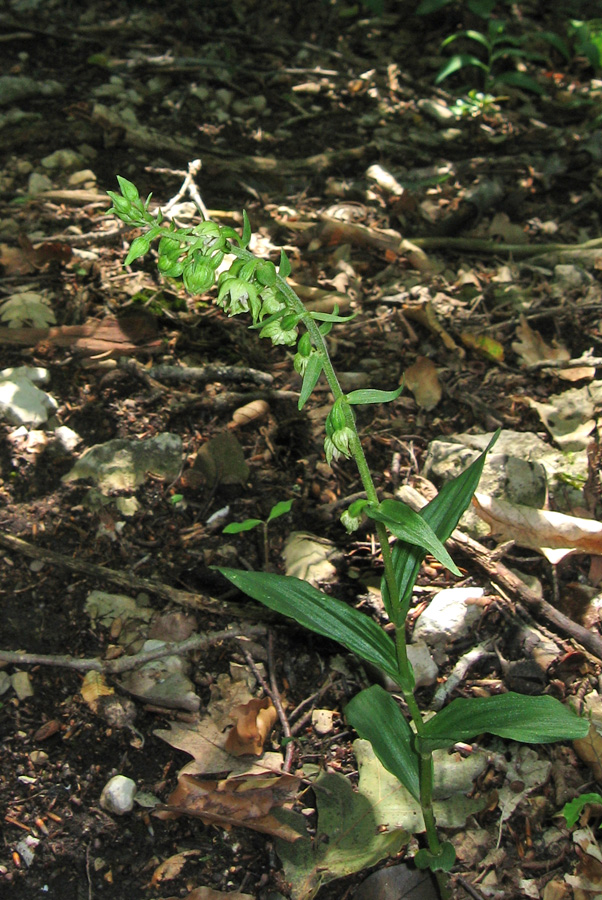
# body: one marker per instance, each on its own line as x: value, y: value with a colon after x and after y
x: 126, y: 663
x: 135, y: 583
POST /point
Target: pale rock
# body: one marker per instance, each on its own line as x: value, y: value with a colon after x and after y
x: 63, y: 159
x: 118, y: 795
x: 21, y: 402
x: 321, y: 719
x: 424, y: 666
x: 37, y: 183
x: 449, y: 616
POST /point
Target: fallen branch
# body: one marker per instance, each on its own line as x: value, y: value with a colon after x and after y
x: 126, y: 663
x: 511, y: 583
x: 135, y: 583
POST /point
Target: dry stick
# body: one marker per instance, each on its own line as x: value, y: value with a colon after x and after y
x: 506, y: 579
x: 134, y: 582
x: 125, y: 663
x: 501, y: 575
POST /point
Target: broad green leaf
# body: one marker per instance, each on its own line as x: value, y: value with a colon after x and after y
x: 459, y: 62
x: 443, y: 514
x: 280, y: 509
x: 517, y: 717
x: 311, y: 375
x: 356, y: 398
x: 238, y: 527
x: 411, y: 527
x: 377, y: 718
x: 320, y: 613
x: 572, y: 810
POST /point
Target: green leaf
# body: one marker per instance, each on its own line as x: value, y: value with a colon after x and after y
x: 284, y: 269
x: 129, y: 190
x: 311, y: 375
x: 443, y: 514
x: 331, y: 317
x: 246, y: 229
x: 280, y: 509
x: 573, y: 809
x: 320, y: 613
x: 459, y: 62
x: 377, y: 718
x: 517, y: 717
x: 471, y: 34
x: 238, y: 527
x: 356, y: 398
x: 411, y: 527
x: 521, y: 80
x: 436, y: 862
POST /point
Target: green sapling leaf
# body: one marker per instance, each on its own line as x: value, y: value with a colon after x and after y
x: 280, y: 509
x: 573, y: 809
x: 517, y: 717
x: 238, y: 527
x: 356, y: 398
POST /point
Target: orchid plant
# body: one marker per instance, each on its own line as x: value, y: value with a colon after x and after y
x: 403, y: 742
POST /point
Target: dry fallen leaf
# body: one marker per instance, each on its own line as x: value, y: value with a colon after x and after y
x: 551, y: 533
x: 93, y: 688
x: 423, y: 381
x: 253, y: 723
x: 589, y: 749
x: 532, y: 348
x: 250, y: 412
x: 243, y: 802
x: 170, y: 868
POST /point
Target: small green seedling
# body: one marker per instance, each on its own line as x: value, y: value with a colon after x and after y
x: 279, y: 509
x: 573, y: 809
x: 257, y: 288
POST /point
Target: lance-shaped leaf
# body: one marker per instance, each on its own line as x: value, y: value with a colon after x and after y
x: 310, y: 378
x: 320, y: 613
x: 377, y: 718
x: 356, y: 398
x: 411, y: 527
x: 442, y: 514
x: 517, y: 717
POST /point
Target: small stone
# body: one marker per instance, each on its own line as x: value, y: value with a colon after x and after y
x: 118, y: 795
x: 321, y: 719
x: 38, y: 183
x: 83, y: 176
x: 38, y: 757
x: 450, y: 615
x: 62, y: 159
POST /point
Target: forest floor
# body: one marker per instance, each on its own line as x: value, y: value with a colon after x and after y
x: 330, y: 132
